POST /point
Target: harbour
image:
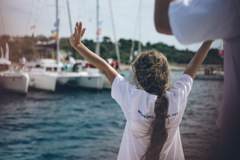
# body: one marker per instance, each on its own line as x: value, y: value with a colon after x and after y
x: 48, y: 112
x: 75, y: 123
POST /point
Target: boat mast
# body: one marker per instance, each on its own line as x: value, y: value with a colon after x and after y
x: 57, y: 38
x: 69, y: 17
x: 132, y: 50
x: 7, y: 52
x: 98, y: 46
x: 138, y: 24
x: 2, y: 57
x: 70, y: 24
x: 140, y: 21
x: 114, y: 35
x: 2, y: 22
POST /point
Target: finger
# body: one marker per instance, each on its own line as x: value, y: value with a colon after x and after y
x: 76, y: 24
x: 76, y: 29
x: 80, y: 27
x: 83, y: 31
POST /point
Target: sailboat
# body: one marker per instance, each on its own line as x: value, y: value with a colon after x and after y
x: 128, y: 76
x: 10, y: 79
x: 91, y: 77
x: 47, y: 73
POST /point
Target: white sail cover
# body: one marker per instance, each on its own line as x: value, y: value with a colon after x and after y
x: 2, y: 53
x: 7, y: 52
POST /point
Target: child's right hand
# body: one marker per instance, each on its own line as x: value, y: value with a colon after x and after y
x: 75, y: 39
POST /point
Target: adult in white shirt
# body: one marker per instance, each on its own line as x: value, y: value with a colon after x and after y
x: 199, y: 20
x: 153, y: 113
x: 22, y: 62
x: 84, y: 62
x: 73, y: 63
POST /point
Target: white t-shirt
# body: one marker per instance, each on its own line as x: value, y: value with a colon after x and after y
x: 22, y: 60
x: 199, y: 20
x: 72, y: 61
x: 138, y: 108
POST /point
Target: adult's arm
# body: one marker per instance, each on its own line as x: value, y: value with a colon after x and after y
x: 102, y: 65
x: 161, y: 18
x: 198, y: 59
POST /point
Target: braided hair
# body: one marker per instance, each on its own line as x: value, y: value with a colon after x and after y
x: 152, y: 74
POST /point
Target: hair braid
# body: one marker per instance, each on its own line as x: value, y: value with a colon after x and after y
x: 152, y: 73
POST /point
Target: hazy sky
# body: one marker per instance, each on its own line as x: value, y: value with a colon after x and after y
x: 17, y: 16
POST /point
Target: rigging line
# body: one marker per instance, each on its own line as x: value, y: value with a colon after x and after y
x: 133, y: 41
x: 97, y: 38
x: 50, y: 18
x: 131, y: 53
x: 114, y: 33
x: 39, y: 15
x: 135, y: 32
x: 71, y: 29
x: 69, y: 18
x: 136, y: 24
x: 29, y: 18
x: 2, y: 21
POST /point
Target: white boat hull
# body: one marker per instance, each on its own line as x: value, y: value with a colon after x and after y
x: 48, y: 81
x: 43, y: 81
x: 106, y: 83
x: 91, y: 78
x: 47, y: 75
x: 15, y: 81
x: 67, y: 78
x: 92, y: 82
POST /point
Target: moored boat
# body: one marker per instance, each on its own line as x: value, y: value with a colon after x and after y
x: 46, y: 74
x: 216, y: 75
x: 91, y: 78
x: 10, y: 79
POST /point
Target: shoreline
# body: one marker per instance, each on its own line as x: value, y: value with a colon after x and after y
x: 181, y: 67
x: 172, y: 66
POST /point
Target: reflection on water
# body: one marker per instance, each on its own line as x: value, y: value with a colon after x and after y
x: 80, y: 124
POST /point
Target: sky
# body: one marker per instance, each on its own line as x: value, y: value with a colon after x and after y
x: 17, y: 16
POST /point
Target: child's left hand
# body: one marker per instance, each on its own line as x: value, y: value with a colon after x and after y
x: 75, y: 39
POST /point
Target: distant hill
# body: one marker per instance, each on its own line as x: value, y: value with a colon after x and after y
x: 28, y: 46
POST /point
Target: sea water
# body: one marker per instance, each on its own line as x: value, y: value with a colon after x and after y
x: 79, y: 124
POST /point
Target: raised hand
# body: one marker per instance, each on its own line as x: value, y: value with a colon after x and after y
x: 75, y: 39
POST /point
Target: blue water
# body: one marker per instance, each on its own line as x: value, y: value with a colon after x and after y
x: 77, y: 124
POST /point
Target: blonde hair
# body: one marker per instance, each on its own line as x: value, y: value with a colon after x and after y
x: 152, y: 74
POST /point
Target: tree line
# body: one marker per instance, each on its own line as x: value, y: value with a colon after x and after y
x: 28, y: 47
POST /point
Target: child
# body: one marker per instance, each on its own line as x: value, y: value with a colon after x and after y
x: 154, y: 112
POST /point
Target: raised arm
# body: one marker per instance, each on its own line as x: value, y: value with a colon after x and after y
x: 161, y: 18
x: 75, y: 41
x: 198, y: 59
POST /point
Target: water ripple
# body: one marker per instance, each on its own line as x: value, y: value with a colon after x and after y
x: 77, y: 124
